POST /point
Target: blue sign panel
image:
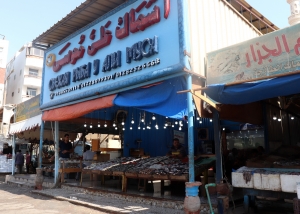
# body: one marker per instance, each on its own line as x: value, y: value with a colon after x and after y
x: 134, y: 44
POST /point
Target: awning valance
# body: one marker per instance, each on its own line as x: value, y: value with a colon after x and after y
x: 25, y: 125
x: 160, y: 98
x: 254, y: 91
x: 78, y: 109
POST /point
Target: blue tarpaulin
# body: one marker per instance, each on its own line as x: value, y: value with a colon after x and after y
x: 160, y: 98
x: 254, y: 91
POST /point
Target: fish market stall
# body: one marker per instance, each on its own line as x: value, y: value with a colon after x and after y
x: 149, y: 168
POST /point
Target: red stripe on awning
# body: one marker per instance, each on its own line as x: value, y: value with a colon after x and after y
x: 78, y: 110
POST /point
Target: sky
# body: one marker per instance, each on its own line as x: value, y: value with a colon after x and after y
x: 21, y: 21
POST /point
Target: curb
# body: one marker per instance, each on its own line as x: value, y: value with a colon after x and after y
x: 76, y: 202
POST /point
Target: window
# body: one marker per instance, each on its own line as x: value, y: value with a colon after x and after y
x: 33, y: 72
x: 18, y: 90
x: 14, y: 77
x: 31, y: 91
x: 35, y: 52
x: 20, y: 71
x: 12, y: 94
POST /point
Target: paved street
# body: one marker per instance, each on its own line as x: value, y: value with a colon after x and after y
x: 15, y: 199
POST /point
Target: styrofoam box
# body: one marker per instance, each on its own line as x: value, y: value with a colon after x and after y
x: 239, y: 181
x: 267, y: 181
x: 289, y: 182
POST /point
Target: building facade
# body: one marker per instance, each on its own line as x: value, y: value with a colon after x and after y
x: 23, y: 79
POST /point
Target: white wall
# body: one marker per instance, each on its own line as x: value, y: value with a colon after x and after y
x: 3, y: 54
x: 15, y: 79
x: 214, y: 25
x: 18, y: 79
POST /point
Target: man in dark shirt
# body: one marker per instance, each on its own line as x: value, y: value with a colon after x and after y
x: 65, y: 147
x: 19, y: 161
x: 177, y: 150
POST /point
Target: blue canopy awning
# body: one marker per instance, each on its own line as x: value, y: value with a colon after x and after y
x: 254, y: 91
x: 160, y: 98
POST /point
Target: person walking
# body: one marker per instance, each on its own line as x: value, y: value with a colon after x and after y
x: 28, y: 161
x: 19, y: 161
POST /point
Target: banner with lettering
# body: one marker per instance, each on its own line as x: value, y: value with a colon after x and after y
x: 265, y: 56
x: 136, y: 43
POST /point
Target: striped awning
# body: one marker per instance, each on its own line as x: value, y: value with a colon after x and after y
x: 25, y: 125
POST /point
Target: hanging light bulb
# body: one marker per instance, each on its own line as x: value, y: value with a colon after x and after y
x: 105, y: 125
x: 200, y: 121
x: 172, y: 125
x: 114, y: 124
x: 279, y: 119
x: 123, y: 123
x: 132, y: 120
x: 123, y: 129
x: 274, y: 117
x: 179, y: 128
x: 166, y: 117
x: 166, y: 123
x: 165, y: 127
x: 142, y: 119
x: 99, y: 124
x: 91, y: 125
x: 143, y: 128
x: 156, y: 126
x: 130, y: 127
x: 198, y: 118
x: 84, y: 125
x: 153, y: 117
x: 139, y: 127
x: 210, y: 120
x: 176, y: 122
x: 116, y: 128
x: 292, y: 118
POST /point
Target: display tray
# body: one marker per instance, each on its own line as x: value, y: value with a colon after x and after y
x: 67, y: 170
x: 118, y: 173
x: 160, y: 177
x: 183, y: 177
x: 87, y: 171
x: 106, y: 172
x: 98, y: 172
x: 286, y: 167
x: 131, y: 175
x: 145, y: 176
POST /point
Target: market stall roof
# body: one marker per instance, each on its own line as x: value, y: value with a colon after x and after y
x: 82, y: 15
x: 90, y: 10
x: 25, y: 125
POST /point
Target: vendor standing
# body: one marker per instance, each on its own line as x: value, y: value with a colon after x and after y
x: 177, y: 150
x: 65, y: 147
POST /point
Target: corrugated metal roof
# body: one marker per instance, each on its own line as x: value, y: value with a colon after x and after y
x: 82, y: 15
x: 90, y: 10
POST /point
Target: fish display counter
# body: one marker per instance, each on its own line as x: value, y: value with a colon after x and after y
x: 150, y: 168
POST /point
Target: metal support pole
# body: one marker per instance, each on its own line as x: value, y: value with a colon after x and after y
x: 41, y: 144
x: 192, y: 201
x: 266, y: 128
x: 218, y: 153
x: 190, y: 130
x: 13, y: 154
x: 56, y: 140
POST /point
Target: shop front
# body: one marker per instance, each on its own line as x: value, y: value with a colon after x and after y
x: 268, y: 74
x: 121, y: 74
